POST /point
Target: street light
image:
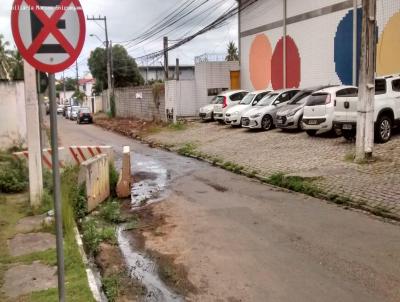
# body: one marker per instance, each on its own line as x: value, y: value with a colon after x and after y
x: 96, y: 36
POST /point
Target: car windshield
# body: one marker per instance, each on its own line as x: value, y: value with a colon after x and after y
x: 219, y: 99
x: 268, y: 100
x: 300, y: 98
x: 247, y: 99
x: 213, y: 100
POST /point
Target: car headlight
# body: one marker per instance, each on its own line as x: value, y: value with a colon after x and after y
x: 236, y: 113
x: 293, y: 113
x: 256, y: 115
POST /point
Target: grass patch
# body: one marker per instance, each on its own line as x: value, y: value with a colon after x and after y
x: 15, y: 207
x: 188, y: 149
x: 178, y: 126
x: 294, y: 183
x: 111, y: 212
x: 230, y: 166
x: 94, y: 234
x: 111, y: 286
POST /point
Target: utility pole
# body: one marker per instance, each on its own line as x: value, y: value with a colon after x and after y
x: 366, y: 94
x: 33, y: 133
x: 166, y: 67
x: 177, y: 70
x: 109, y: 77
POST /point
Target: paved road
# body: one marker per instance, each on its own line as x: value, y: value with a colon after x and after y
x: 244, y: 241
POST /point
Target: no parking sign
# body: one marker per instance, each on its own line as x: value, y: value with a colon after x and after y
x: 49, y: 34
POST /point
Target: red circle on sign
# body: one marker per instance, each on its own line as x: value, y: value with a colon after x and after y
x: 28, y: 54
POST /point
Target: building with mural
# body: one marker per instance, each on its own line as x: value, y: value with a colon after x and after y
x: 322, y: 42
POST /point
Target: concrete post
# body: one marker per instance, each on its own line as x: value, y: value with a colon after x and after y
x: 33, y: 134
x: 125, y: 178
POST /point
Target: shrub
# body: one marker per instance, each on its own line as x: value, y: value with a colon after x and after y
x: 114, y: 176
x: 111, y: 212
x: 111, y: 287
x: 13, y: 174
x: 91, y: 236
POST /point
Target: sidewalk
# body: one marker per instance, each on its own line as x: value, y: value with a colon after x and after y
x: 28, y: 264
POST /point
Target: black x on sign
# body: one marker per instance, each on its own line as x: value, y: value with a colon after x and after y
x: 49, y: 33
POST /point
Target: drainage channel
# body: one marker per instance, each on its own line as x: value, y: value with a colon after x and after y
x: 149, y: 186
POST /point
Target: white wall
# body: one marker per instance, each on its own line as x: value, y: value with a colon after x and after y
x: 12, y: 113
x: 181, y: 96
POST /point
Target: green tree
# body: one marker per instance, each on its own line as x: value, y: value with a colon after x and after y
x: 5, y: 59
x: 232, y: 52
x: 80, y: 96
x: 126, y: 72
x: 70, y: 85
x: 17, y: 66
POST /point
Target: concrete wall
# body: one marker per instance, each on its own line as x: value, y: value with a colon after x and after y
x: 95, y: 173
x: 12, y: 114
x: 138, y: 102
x: 181, y: 95
x: 157, y: 73
x: 319, y: 42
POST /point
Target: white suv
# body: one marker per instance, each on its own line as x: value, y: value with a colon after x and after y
x: 225, y: 101
x: 320, y: 109
x: 233, y: 116
x: 386, y: 110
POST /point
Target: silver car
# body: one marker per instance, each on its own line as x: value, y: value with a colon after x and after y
x: 290, y: 116
x: 206, y: 113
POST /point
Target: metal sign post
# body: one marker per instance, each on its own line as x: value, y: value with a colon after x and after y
x: 50, y: 35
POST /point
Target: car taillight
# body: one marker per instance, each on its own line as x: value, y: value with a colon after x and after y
x: 81, y: 114
x: 328, y: 99
x: 225, y: 104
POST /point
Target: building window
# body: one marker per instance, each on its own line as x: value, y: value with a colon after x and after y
x: 216, y: 91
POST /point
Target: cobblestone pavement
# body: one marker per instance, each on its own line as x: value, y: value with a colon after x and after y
x: 376, y: 184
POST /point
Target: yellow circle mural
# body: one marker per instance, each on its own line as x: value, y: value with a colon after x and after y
x: 388, y: 59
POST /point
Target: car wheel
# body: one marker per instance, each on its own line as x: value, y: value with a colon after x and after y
x: 267, y: 123
x: 212, y: 117
x: 300, y: 125
x: 312, y: 133
x: 383, y: 129
x: 350, y: 135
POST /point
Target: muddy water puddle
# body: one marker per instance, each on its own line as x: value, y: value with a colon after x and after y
x: 143, y: 269
x: 150, y: 179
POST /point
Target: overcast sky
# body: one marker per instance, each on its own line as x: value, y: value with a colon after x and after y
x: 129, y: 18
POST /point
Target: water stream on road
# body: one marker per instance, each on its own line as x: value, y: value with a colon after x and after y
x: 149, y: 186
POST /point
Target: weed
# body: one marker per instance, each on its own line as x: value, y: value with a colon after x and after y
x: 294, y: 183
x: 111, y: 212
x: 114, y: 176
x: 13, y: 174
x: 188, y: 149
x: 111, y: 286
x: 350, y: 157
x: 235, y: 168
x: 178, y: 126
x: 93, y: 236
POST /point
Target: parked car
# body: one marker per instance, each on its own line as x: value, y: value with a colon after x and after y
x: 290, y: 116
x: 206, y: 113
x: 263, y: 115
x: 60, y: 109
x: 386, y: 110
x: 225, y: 101
x: 68, y: 112
x: 84, y: 116
x: 319, y: 111
x: 233, y: 115
x: 74, y: 113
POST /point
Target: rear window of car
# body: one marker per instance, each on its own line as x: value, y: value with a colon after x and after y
x: 219, y: 100
x: 380, y: 86
x: 300, y: 97
x: 317, y: 99
x: 396, y: 85
x: 85, y: 110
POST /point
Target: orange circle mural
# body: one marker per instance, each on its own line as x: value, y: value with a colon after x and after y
x: 260, y: 62
x: 388, y: 61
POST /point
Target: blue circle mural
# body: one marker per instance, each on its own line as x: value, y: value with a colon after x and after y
x: 344, y: 47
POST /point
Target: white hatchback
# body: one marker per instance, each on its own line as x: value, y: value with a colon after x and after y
x: 233, y: 116
x: 319, y: 111
x: 227, y: 100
